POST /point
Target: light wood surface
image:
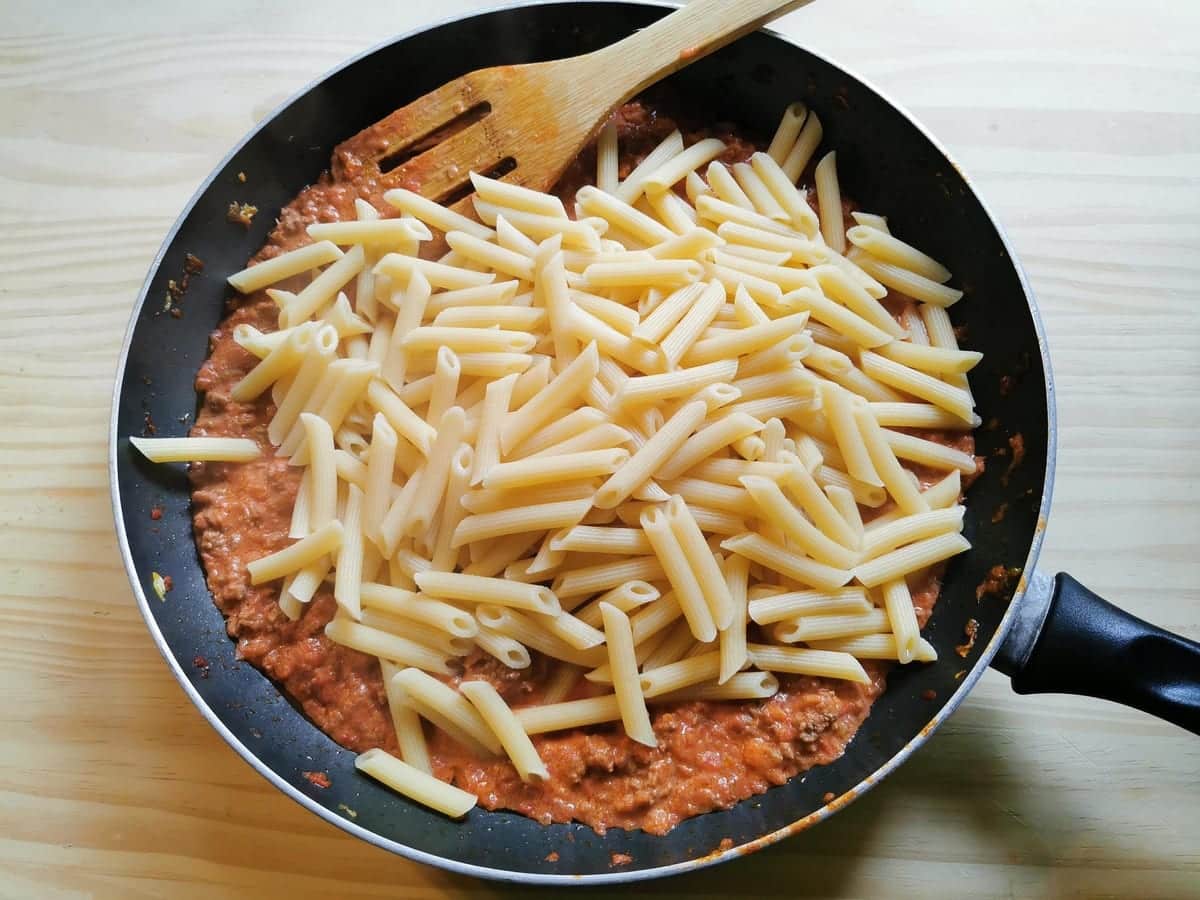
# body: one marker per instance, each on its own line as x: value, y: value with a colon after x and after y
x: 1080, y: 122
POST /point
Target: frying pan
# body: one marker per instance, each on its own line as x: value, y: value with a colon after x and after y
x: 1049, y: 634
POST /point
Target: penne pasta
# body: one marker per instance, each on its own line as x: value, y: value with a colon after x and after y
x: 196, y: 449
x: 779, y: 559
x: 627, y: 685
x: 678, y: 569
x: 823, y: 663
x: 507, y: 728
x: 414, y: 783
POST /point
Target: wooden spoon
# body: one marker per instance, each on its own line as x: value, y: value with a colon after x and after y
x: 532, y: 120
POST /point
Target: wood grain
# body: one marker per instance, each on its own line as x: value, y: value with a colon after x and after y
x: 1080, y: 123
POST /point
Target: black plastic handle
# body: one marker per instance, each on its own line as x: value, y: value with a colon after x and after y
x: 1088, y: 646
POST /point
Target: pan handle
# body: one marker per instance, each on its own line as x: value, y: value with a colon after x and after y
x: 1068, y: 640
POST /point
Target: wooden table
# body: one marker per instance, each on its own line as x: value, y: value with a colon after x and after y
x: 1080, y: 122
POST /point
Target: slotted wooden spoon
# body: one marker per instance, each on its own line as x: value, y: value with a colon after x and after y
x: 537, y: 117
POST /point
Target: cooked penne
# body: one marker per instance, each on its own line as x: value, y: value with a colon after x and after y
x: 591, y: 539
x: 668, y: 313
x: 507, y: 650
x: 919, y: 415
x: 733, y: 653
x: 568, y: 384
x: 537, y: 227
x: 647, y: 389
x: 783, y: 190
x: 910, y: 284
x: 760, y: 195
x: 427, y: 693
x: 787, y: 131
x: 929, y: 453
x: 742, y: 686
x: 532, y: 631
x: 375, y: 642
x: 677, y: 675
x: 679, y: 572
x: 309, y: 549
x: 517, y: 318
x: 933, y: 360
x: 283, y: 359
x: 487, y: 443
x: 824, y: 663
x: 497, y: 591
x: 829, y: 627
x: 659, y: 272
x: 670, y: 147
x: 621, y: 216
x: 607, y: 178
x: 701, y: 562
x: 714, y: 209
x: 847, y: 507
x: 406, y: 423
x: 447, y: 373
x: 903, y: 620
x: 837, y: 317
x: 677, y: 215
x: 376, y: 231
x: 285, y: 265
x: 678, y: 167
x: 348, y: 578
x: 538, y: 517
x: 794, y: 604
x: 650, y: 457
x: 395, y: 601
x: 414, y: 783
x: 434, y: 214
x: 409, y: 733
x: 722, y: 183
x: 840, y: 287
x: 806, y: 144
x: 779, y: 559
x: 497, y: 294
x: 554, y: 468
x: 627, y: 685
x: 909, y: 559
x: 626, y: 597
x: 885, y: 537
x: 496, y: 713
x: 777, y: 510
x: 707, y: 441
x: 568, y: 714
x: 604, y: 576
x: 324, y: 287
x: 745, y: 340
x: 604, y: 436
x: 427, y: 498
x: 900, y: 486
x: 839, y: 409
x: 468, y: 340
x: 877, y: 646
x: 829, y: 201
x: 429, y: 636
x: 196, y: 449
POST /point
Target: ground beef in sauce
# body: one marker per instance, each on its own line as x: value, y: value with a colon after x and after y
x: 710, y: 755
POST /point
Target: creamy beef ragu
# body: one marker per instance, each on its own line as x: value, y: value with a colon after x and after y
x: 710, y: 754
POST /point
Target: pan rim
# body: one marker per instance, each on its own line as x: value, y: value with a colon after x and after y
x: 534, y: 878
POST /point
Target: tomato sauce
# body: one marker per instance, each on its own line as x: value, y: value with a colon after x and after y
x: 710, y: 755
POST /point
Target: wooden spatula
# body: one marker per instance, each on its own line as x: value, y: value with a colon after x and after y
x: 535, y: 118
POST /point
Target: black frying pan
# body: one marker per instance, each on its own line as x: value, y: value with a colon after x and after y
x: 1050, y: 635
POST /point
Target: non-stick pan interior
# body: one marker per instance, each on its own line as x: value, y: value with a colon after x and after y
x: 886, y: 164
